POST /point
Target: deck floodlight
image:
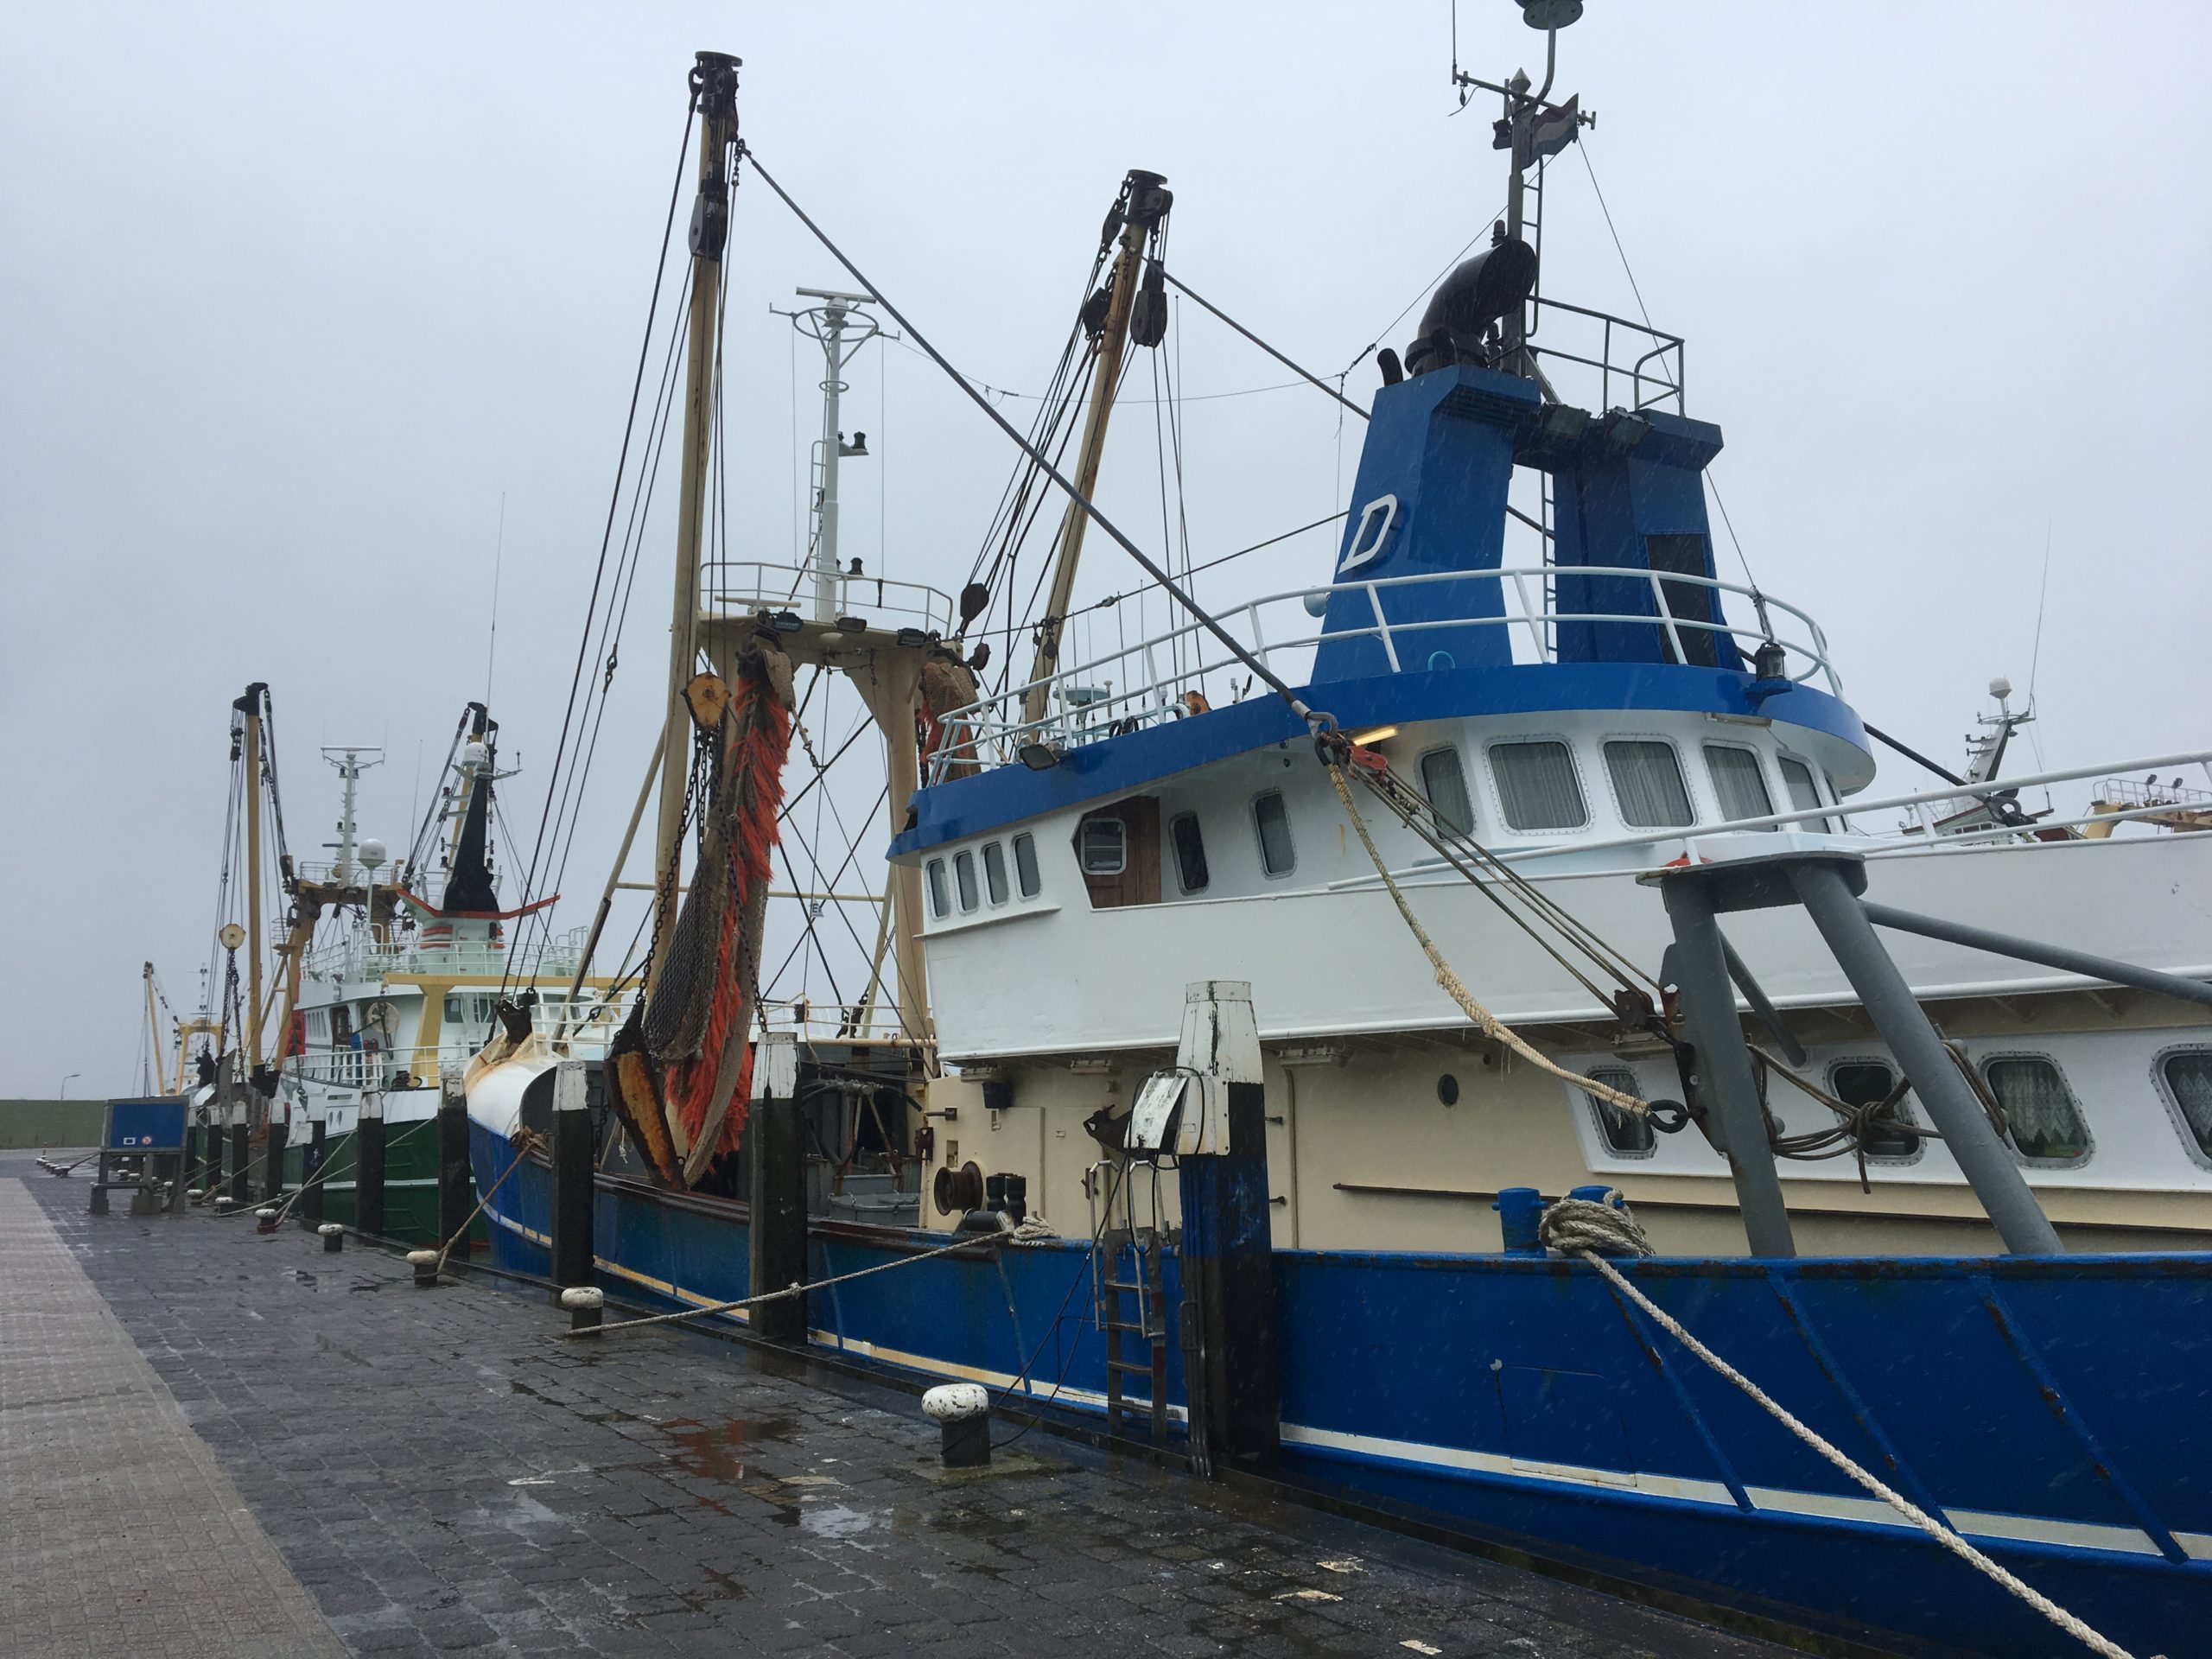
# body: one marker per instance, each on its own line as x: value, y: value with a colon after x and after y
x: 912, y: 639
x: 853, y: 624
x: 786, y: 622
x: 1039, y: 757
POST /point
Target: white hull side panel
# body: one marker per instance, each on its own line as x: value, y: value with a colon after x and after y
x: 1322, y: 963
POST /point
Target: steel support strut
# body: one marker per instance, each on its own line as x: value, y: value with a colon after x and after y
x: 1958, y: 1117
x: 1725, y: 1065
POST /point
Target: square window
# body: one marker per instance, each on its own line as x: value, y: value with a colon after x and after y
x: 1536, y: 785
x: 1102, y: 846
x: 964, y: 878
x: 994, y: 872
x: 940, y: 900
x: 1647, y: 782
x: 1025, y: 866
x: 1190, y: 852
x: 1738, y: 782
x: 1271, y: 819
x: 2042, y: 1120
x: 1627, y: 1133
x: 1445, y: 782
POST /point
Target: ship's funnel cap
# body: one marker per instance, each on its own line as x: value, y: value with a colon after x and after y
x: 1476, y: 295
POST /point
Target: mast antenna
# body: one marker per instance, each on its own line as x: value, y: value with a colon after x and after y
x: 499, y: 552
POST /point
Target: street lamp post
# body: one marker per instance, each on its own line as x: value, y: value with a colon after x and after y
x: 66, y: 1081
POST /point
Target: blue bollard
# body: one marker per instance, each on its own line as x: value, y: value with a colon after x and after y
x: 1597, y: 1195
x: 1518, y: 1209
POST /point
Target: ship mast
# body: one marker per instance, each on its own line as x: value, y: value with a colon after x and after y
x: 714, y: 92
x: 249, y: 706
x: 1143, y: 203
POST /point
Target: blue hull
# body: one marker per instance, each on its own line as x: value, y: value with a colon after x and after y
x: 2050, y: 1408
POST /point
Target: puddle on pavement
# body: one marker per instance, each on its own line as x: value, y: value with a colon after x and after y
x: 716, y: 1451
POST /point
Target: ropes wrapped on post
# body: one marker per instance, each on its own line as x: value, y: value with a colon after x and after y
x: 681, y: 1068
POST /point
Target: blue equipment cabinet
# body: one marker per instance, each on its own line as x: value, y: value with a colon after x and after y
x: 142, y: 1145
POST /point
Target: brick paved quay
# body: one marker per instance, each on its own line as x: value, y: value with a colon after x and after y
x: 216, y: 1442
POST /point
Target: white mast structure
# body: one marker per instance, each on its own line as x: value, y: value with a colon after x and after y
x: 841, y: 328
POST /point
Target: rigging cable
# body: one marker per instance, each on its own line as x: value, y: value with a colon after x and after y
x: 1304, y: 373
x: 1273, y: 680
x: 644, y: 348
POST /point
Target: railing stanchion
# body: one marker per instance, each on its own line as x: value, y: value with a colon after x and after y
x: 1382, y: 627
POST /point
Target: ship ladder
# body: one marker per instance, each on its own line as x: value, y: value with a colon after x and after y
x: 1130, y: 1307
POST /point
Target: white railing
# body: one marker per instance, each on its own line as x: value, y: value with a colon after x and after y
x: 791, y: 588
x: 1089, y: 707
x: 379, y: 954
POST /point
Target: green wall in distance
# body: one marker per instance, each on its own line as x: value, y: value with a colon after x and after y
x: 40, y: 1124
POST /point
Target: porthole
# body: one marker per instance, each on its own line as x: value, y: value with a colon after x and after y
x: 1447, y: 1089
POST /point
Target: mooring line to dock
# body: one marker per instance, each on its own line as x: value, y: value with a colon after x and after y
x: 526, y: 1142
x: 1904, y: 1506
x: 284, y: 1205
x: 968, y: 1242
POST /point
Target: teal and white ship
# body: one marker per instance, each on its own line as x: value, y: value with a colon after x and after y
x: 398, y: 984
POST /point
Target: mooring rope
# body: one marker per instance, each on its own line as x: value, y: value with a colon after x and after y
x: 965, y: 1242
x: 526, y: 1142
x: 1485, y: 1021
x: 1928, y: 1523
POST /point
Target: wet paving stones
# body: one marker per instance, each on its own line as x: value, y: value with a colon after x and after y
x: 440, y: 1475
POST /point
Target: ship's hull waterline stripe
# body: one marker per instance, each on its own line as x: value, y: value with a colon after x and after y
x: 1826, y: 1506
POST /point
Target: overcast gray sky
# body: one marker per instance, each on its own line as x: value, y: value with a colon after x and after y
x: 291, y: 294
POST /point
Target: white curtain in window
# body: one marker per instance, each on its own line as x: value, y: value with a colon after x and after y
x: 2190, y: 1076
x: 1738, y: 782
x: 1536, y: 785
x: 1648, y: 779
x: 2039, y: 1108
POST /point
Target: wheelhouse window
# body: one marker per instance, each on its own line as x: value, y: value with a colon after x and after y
x: 2188, y: 1076
x: 2042, y: 1119
x: 1445, y: 782
x: 964, y: 878
x: 1868, y: 1083
x: 1647, y: 782
x: 1738, y: 782
x: 1190, y: 852
x: 1797, y: 778
x: 994, y: 872
x: 1025, y: 866
x: 1536, y: 785
x: 940, y: 899
x: 1271, y: 819
x: 1627, y: 1134
x: 1102, y: 846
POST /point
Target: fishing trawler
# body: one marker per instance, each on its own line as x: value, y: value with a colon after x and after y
x: 399, y: 985
x: 1337, y: 961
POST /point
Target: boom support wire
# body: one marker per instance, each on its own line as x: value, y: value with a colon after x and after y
x: 1267, y: 675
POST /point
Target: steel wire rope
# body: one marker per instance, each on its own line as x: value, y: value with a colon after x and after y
x: 1488, y: 220
x: 1259, y: 670
x: 629, y: 557
x: 1758, y: 600
x: 613, y: 504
